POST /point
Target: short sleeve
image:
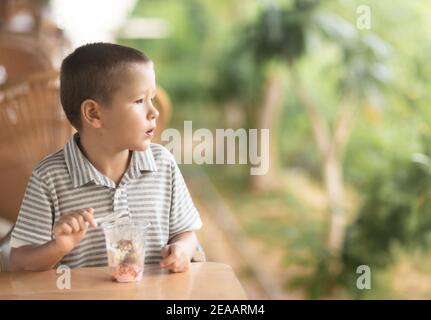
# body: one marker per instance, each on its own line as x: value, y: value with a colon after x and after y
x: 183, y: 215
x: 35, y: 218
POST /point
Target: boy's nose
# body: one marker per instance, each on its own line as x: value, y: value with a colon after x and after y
x: 154, y: 113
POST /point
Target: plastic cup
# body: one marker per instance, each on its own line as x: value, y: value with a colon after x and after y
x: 125, y: 244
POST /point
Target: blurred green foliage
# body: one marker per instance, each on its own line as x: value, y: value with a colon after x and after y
x: 208, y: 60
x: 396, y: 212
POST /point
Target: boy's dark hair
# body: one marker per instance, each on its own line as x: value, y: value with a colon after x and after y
x: 92, y: 72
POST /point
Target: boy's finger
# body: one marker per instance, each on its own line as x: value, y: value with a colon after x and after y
x: 167, y: 266
x: 73, y: 223
x: 89, y: 218
x: 165, y: 251
x: 167, y: 261
x: 178, y: 268
x: 65, y: 229
x: 81, y: 221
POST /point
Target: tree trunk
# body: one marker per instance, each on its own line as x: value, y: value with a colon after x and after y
x: 269, y: 118
x: 333, y: 179
x: 331, y: 149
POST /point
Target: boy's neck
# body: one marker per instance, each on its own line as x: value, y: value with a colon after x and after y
x: 108, y: 161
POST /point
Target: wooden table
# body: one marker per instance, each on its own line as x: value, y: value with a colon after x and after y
x: 205, y: 280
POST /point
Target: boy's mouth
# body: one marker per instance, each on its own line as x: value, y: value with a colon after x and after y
x: 150, y: 132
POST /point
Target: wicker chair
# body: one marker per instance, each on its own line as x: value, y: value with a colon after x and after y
x: 32, y: 125
x: 21, y: 56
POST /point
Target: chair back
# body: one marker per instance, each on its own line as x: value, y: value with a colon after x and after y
x: 32, y: 125
x: 21, y: 56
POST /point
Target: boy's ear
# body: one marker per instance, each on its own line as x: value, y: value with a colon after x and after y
x: 90, y: 112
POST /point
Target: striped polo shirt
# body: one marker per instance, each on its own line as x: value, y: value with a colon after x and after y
x: 152, y: 189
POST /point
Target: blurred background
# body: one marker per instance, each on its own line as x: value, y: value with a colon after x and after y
x: 344, y: 87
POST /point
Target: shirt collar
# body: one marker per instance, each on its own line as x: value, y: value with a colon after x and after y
x: 82, y: 171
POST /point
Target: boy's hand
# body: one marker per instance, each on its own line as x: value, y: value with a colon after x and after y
x: 175, y: 258
x: 72, y: 227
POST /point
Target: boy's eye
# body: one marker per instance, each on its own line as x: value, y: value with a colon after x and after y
x: 139, y: 101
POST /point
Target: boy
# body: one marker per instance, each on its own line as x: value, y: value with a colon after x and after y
x: 108, y: 168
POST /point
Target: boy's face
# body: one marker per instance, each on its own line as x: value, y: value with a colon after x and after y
x: 129, y: 121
